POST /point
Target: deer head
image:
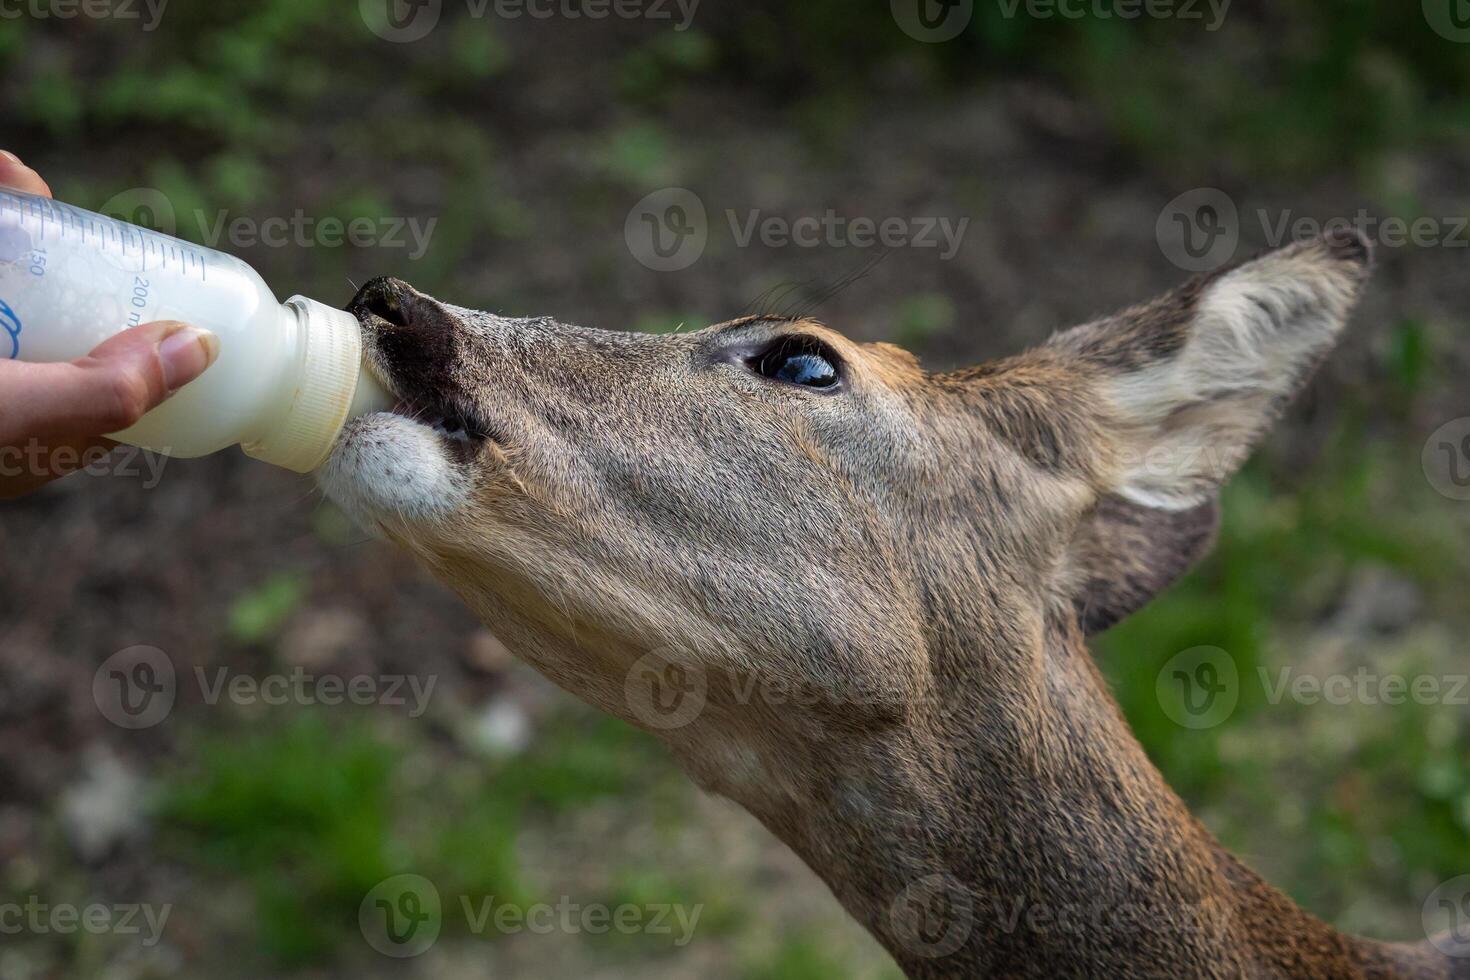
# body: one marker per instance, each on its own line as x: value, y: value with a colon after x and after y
x: 850, y: 593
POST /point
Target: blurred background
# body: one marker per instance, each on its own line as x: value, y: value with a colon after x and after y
x: 634, y: 171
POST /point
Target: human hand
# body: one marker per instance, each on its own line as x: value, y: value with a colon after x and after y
x: 53, y: 417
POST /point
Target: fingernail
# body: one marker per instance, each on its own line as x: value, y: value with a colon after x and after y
x: 11, y: 157
x: 185, y: 354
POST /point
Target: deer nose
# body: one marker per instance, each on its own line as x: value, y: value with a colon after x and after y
x: 385, y: 298
x: 416, y: 338
x: 404, y: 320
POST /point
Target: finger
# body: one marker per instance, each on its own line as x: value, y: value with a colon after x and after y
x: 26, y: 467
x: 15, y: 174
x: 106, y: 391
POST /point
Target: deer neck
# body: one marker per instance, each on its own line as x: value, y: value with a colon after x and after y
x: 986, y: 838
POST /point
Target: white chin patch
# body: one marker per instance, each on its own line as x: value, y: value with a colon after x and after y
x: 387, y: 468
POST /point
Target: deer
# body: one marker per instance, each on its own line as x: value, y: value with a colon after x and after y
x: 854, y: 596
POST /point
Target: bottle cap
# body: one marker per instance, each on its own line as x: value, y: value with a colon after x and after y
x: 330, y: 375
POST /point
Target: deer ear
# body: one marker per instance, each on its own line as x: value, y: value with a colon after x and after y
x: 1124, y: 554
x: 1186, y: 385
x: 1180, y: 390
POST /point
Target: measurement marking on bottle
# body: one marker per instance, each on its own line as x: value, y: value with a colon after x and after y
x: 139, y: 300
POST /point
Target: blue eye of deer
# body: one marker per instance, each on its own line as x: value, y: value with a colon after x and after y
x: 799, y: 361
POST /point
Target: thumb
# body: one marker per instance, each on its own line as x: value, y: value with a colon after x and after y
x: 106, y: 391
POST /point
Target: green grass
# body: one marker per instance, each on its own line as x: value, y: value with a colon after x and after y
x: 798, y: 959
x: 313, y: 812
x: 301, y: 812
x: 257, y: 613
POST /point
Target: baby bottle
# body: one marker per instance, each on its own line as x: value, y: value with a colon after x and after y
x: 287, y: 378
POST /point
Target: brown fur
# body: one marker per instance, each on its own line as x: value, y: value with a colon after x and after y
x: 884, y: 593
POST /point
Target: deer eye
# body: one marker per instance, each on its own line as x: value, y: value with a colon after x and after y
x: 798, y: 361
